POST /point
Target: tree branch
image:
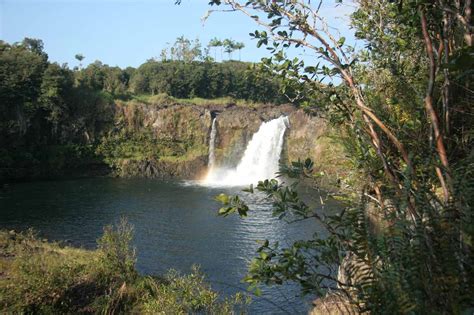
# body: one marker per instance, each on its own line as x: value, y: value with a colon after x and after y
x: 431, y: 112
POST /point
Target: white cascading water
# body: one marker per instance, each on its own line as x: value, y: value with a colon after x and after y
x: 260, y: 160
x: 212, y: 146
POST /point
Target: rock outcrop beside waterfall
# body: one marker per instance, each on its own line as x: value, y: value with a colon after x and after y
x: 311, y: 136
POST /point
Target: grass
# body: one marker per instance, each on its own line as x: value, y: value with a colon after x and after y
x: 41, y: 277
x: 164, y: 99
x: 189, y: 155
x: 142, y: 146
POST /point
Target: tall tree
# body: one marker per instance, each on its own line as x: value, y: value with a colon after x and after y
x: 229, y: 47
x: 186, y: 50
x: 214, y: 43
x: 239, y: 46
x: 21, y: 71
x: 79, y: 57
x: 55, y: 97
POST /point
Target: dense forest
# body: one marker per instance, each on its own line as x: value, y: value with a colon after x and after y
x: 53, y: 117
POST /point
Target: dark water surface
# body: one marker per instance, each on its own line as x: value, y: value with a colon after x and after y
x: 175, y: 227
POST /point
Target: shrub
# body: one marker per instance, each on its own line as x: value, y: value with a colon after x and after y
x: 117, y: 255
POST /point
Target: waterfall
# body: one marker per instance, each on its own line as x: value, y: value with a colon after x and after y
x: 212, y: 145
x: 260, y: 160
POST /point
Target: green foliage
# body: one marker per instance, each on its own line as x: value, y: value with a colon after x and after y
x: 134, y: 143
x: 39, y: 275
x: 55, y: 95
x: 189, y: 294
x: 206, y: 80
x: 164, y: 99
x: 383, y: 267
x: 131, y: 145
x: 45, y: 113
x: 232, y: 204
x: 117, y: 256
x: 21, y: 71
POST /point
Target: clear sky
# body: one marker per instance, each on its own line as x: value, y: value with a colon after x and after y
x: 128, y: 32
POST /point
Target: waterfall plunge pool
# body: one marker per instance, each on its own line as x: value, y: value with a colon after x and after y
x: 176, y: 226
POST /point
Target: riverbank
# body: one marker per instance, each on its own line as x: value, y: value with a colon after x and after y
x: 41, y: 277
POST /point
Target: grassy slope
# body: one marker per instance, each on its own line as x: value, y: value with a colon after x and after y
x: 161, y: 99
x: 41, y: 277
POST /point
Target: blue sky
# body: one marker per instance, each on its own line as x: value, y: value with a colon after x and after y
x: 128, y: 32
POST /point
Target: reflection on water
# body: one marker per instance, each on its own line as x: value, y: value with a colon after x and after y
x: 175, y: 227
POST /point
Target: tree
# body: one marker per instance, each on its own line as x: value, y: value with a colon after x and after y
x: 79, y: 57
x: 115, y: 81
x: 93, y: 76
x: 186, y: 50
x: 229, y: 47
x: 56, y: 90
x: 21, y: 70
x: 214, y: 43
x: 397, y: 140
x: 239, y: 46
x: 164, y: 55
x: 36, y: 46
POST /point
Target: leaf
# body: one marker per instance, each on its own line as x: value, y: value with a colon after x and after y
x: 222, y: 198
x: 223, y: 211
x: 341, y: 41
x: 242, y: 211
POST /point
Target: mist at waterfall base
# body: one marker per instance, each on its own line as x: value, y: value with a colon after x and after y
x: 259, y: 161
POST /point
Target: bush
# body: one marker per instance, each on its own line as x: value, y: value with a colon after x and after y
x: 116, y: 254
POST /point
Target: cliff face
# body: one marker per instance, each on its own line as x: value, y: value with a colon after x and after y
x: 159, y: 141
x: 304, y: 135
x: 312, y: 137
x: 179, y: 136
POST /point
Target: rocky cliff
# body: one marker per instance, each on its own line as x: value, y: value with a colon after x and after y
x: 177, y: 137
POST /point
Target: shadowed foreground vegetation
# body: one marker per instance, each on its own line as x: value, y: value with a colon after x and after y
x: 41, y: 277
